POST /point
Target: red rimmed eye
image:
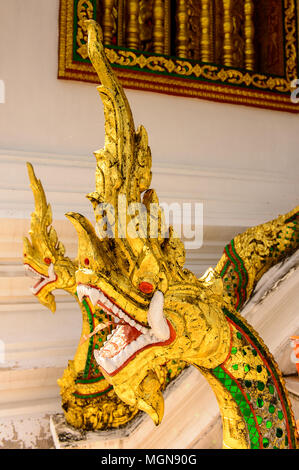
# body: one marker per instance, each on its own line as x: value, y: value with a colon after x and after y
x: 146, y: 287
x: 86, y: 261
x: 47, y: 260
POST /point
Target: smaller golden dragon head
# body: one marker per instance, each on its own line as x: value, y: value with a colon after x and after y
x: 43, y: 256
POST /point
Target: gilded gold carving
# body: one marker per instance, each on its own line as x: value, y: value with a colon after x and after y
x: 180, y: 316
x: 158, y: 26
x: 194, y: 29
x: 238, y: 34
x: 120, y: 23
x: 206, y: 31
x: 142, y: 284
x: 145, y: 24
x: 290, y: 40
x: 186, y: 68
x: 228, y: 27
x: 167, y: 20
x: 85, y: 400
x: 108, y: 20
x: 218, y: 51
x: 132, y: 25
x: 84, y: 12
x: 182, y: 29
x: 249, y: 34
x: 250, y: 85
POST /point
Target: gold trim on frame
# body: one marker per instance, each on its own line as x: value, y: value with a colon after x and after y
x: 217, y: 83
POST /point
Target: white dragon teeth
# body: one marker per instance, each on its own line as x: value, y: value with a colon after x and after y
x: 159, y: 330
x: 29, y: 271
x: 105, y: 362
x: 113, y: 363
x: 94, y: 296
x: 121, y: 314
x: 114, y: 308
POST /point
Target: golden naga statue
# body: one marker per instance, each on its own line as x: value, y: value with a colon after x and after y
x: 130, y: 271
x: 88, y: 400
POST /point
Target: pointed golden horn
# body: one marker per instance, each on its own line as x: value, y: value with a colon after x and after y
x: 40, y: 201
x: 42, y: 232
x: 88, y: 242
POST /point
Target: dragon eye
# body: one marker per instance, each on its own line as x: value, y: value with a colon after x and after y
x: 47, y: 260
x: 86, y: 261
x: 146, y: 287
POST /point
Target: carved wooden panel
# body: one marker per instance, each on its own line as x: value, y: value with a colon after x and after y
x: 236, y: 51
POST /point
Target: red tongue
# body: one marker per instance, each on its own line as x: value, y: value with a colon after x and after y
x: 123, y: 336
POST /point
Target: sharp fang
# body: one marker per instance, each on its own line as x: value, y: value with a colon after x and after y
x: 106, y: 363
x: 51, y: 272
x: 121, y: 314
x: 131, y: 322
x: 114, y: 309
x: 102, y: 298
x: 156, y: 318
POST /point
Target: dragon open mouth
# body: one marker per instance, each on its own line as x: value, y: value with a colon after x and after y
x: 129, y: 337
x: 42, y: 279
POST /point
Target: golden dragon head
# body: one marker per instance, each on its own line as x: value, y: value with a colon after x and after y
x: 132, y: 266
x: 43, y: 256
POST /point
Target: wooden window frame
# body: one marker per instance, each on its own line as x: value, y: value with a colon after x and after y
x: 175, y: 76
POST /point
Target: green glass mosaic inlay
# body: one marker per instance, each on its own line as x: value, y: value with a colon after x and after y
x: 265, y: 442
x: 279, y: 432
x: 260, y: 403
x: 260, y: 386
x: 271, y: 409
x: 248, y: 416
x: 259, y: 419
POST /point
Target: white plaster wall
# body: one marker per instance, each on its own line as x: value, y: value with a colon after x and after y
x: 241, y: 162
x: 47, y: 115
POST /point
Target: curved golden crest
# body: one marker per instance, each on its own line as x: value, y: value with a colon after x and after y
x: 124, y: 165
x: 44, y: 256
